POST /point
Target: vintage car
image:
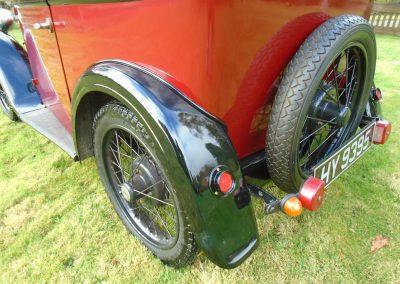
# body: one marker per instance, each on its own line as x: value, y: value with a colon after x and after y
x: 179, y: 100
x: 6, y: 20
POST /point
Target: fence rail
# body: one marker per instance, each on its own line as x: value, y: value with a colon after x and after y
x: 385, y: 18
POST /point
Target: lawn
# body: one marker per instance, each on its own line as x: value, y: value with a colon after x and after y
x: 57, y: 225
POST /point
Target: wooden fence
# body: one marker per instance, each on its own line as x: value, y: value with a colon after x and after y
x: 385, y: 18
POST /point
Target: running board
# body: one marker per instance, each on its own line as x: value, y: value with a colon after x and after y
x: 44, y: 121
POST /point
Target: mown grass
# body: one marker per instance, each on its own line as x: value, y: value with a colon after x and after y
x: 57, y: 225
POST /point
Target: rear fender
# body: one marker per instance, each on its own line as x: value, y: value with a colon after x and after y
x: 16, y: 75
x: 194, y: 144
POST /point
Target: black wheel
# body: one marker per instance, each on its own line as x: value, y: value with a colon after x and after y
x: 6, y: 106
x: 138, y: 187
x: 321, y: 99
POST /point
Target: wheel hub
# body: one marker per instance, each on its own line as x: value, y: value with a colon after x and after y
x: 145, y: 182
x: 344, y: 116
x: 327, y: 109
x: 127, y: 192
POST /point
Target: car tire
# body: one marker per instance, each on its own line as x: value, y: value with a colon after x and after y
x: 141, y: 190
x: 6, y: 106
x: 335, y: 65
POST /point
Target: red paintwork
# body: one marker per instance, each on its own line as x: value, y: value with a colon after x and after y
x: 46, y: 64
x: 224, y: 55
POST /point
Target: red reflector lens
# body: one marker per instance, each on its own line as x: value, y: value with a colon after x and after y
x: 382, y: 131
x: 225, y: 182
x: 311, y: 193
x: 35, y: 82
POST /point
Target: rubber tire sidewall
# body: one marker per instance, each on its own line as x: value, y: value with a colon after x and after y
x: 10, y: 113
x: 360, y: 33
x: 111, y: 119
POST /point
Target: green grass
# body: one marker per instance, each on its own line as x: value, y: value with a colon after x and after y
x: 57, y: 225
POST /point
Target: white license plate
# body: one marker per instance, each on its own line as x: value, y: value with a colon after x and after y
x: 344, y: 157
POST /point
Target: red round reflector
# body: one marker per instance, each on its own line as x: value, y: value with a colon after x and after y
x: 311, y: 193
x: 225, y: 182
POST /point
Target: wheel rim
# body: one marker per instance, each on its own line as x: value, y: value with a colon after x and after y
x: 334, y: 111
x: 140, y: 188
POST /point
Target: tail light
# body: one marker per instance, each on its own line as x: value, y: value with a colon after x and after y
x: 311, y: 193
x: 377, y: 94
x: 382, y: 131
x: 222, y: 181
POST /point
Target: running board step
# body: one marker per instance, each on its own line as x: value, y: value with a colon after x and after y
x: 44, y: 121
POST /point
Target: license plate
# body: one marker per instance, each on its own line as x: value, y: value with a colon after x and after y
x: 344, y: 157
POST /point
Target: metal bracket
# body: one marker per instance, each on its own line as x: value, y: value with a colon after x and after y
x: 272, y: 204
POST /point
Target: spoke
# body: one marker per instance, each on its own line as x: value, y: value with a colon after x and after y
x: 140, y: 162
x: 336, y: 85
x: 132, y: 160
x: 322, y: 120
x: 115, y: 157
x: 347, y: 73
x: 323, y: 89
x: 129, y: 145
x: 152, y: 224
x: 159, y: 200
x: 344, y: 91
x: 316, y: 131
x: 116, y: 175
x: 121, y: 170
x: 319, y: 146
x: 127, y: 156
x: 170, y: 214
x: 158, y: 217
x: 163, y: 222
x: 330, y: 73
x: 351, y: 83
x: 119, y: 156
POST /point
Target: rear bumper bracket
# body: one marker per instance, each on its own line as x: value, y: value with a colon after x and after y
x: 272, y: 204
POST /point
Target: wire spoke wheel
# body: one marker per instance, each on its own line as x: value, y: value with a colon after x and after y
x: 333, y: 108
x: 321, y: 99
x: 140, y: 187
x: 3, y: 102
x: 6, y: 106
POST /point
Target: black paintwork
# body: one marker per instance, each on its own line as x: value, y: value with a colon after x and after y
x: 194, y: 143
x: 255, y: 165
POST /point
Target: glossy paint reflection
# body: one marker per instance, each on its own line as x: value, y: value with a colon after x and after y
x: 46, y: 63
x: 192, y: 144
x: 226, y: 56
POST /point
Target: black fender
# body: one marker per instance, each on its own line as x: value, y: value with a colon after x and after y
x: 16, y: 76
x: 194, y: 143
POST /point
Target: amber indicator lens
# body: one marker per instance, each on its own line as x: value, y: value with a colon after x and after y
x: 292, y: 207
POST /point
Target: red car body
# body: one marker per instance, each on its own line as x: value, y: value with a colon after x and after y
x: 226, y: 56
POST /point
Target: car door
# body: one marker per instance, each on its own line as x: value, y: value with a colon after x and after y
x: 45, y: 61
